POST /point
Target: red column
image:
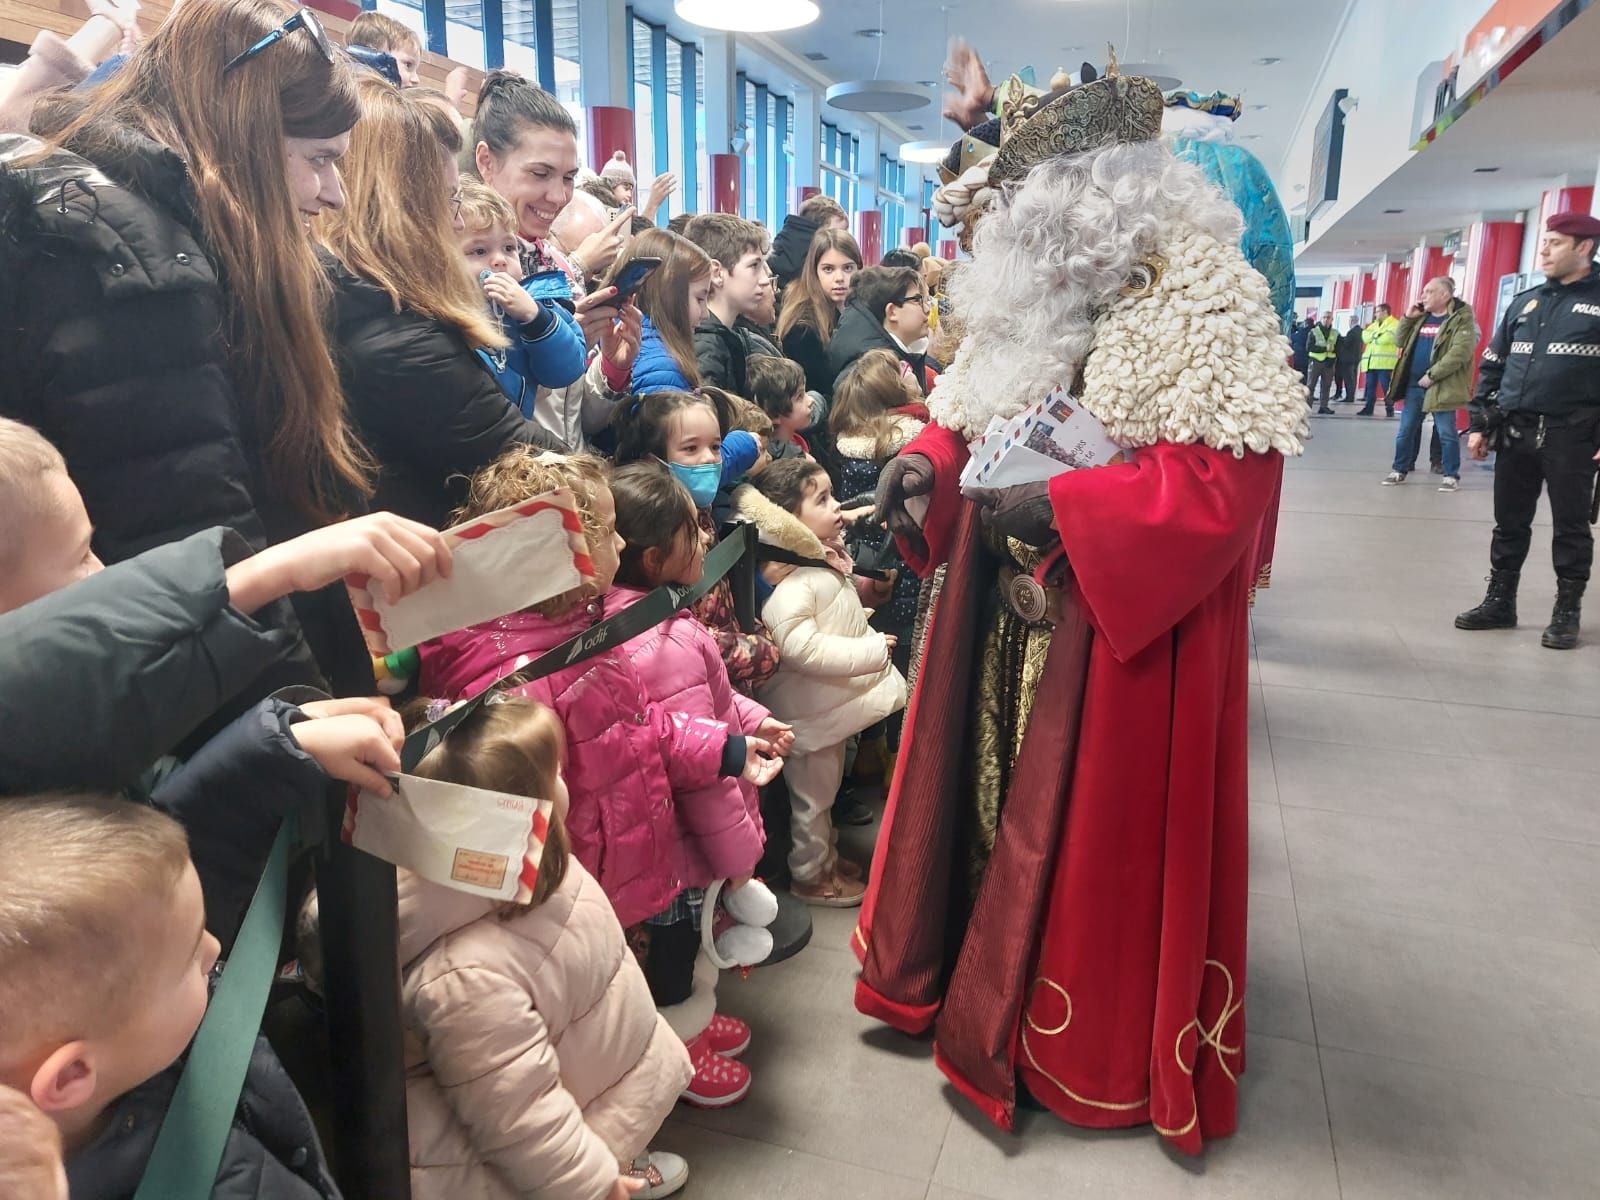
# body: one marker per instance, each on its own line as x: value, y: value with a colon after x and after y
x: 610, y: 130
x: 802, y: 194
x: 1563, y: 200
x: 916, y: 234
x: 726, y: 172
x: 1341, y: 293
x: 869, y: 236
x: 1395, y: 294
x: 1384, y: 282
x: 1494, y: 248
x: 948, y: 249
x: 1368, y: 289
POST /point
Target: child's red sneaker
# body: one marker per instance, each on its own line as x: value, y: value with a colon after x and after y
x: 718, y: 1082
x: 729, y: 1036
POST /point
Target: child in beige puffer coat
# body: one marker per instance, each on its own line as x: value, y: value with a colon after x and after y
x: 537, y: 1064
x: 835, y: 677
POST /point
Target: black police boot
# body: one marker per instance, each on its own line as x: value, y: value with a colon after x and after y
x: 1499, y: 607
x: 1563, y: 631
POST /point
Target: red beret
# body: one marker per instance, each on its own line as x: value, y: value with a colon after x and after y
x: 1575, y: 225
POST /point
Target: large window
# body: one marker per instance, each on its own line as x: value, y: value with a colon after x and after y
x: 891, y: 200
x: 669, y: 116
x: 550, y: 59
x: 838, y: 166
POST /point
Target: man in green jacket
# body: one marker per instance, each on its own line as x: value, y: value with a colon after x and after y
x: 1434, y: 375
x: 1382, y: 349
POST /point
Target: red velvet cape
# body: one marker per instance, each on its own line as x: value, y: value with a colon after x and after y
x: 1105, y: 959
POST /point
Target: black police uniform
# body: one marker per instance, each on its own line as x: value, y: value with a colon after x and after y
x: 1538, y: 401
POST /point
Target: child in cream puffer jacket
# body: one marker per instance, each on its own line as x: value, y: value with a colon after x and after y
x: 835, y: 675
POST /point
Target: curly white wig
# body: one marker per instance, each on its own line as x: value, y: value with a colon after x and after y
x: 1049, y: 257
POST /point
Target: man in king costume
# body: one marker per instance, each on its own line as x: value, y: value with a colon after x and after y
x: 1059, y: 889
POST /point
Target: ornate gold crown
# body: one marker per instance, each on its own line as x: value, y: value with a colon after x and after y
x: 1114, y: 108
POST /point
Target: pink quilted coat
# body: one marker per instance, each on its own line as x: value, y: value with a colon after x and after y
x: 626, y: 754
x: 683, y: 671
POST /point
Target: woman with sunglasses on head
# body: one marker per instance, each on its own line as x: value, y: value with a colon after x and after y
x: 887, y: 310
x: 164, y: 303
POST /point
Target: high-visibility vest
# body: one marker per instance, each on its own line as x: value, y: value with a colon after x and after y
x: 1322, y: 343
x: 1382, y: 353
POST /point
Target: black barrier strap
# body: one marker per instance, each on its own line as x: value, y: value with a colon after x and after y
x: 648, y: 612
x: 770, y: 553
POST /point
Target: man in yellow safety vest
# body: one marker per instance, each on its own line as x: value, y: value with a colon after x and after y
x: 1321, y: 347
x: 1378, y: 362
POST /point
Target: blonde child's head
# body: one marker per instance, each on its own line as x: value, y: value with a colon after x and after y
x: 44, y: 528
x: 524, y: 472
x: 865, y: 397
x: 30, y: 1151
x: 376, y: 31
x: 104, y: 953
x: 511, y: 744
x: 488, y: 237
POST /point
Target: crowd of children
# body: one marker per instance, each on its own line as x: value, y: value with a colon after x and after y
x: 154, y: 765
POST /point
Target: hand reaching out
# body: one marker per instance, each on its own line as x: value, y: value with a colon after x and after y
x: 761, y: 761
x: 904, y: 477
x: 353, y: 748
x: 376, y: 707
x: 600, y: 249
x: 965, y: 72
x: 398, y: 555
x: 661, y: 187
x: 779, y: 733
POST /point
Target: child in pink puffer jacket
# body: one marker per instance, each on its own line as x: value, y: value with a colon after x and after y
x: 683, y: 669
x: 625, y: 754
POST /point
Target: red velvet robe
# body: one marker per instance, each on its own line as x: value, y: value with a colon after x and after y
x: 1104, y: 960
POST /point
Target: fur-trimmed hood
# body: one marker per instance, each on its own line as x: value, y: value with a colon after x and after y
x: 777, y: 526
x: 864, y: 446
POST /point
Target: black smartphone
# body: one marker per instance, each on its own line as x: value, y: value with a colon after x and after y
x: 631, y: 278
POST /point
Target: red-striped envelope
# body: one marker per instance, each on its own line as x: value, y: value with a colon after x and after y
x: 486, y: 843
x: 502, y: 562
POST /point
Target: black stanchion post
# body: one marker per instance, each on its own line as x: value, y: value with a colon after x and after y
x: 356, y: 907
x: 743, y: 578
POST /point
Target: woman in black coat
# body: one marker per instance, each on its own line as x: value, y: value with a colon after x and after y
x: 408, y: 318
x: 163, y: 302
x: 812, y: 303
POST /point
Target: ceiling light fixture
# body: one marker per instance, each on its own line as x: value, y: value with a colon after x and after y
x: 1484, y: 170
x: 1268, y: 62
x: 876, y: 95
x: 740, y: 16
x: 1393, y: 211
x: 929, y: 150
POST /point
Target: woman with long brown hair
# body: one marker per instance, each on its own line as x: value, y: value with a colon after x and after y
x: 813, y: 302
x: 163, y: 302
x: 407, y: 316
x: 673, y: 301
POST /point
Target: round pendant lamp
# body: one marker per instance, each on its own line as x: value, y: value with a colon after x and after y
x: 747, y: 16
x: 876, y: 96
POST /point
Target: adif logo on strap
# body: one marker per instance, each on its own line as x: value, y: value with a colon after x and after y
x: 1587, y: 310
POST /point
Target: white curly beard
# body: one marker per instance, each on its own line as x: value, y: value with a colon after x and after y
x: 1200, y: 359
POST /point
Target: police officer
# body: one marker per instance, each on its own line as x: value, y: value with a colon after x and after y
x: 1538, y: 406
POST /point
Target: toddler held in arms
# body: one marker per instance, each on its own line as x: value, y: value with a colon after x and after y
x: 544, y: 1069
x: 835, y: 677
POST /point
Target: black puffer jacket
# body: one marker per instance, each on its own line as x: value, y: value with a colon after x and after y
x: 859, y: 331
x: 272, y: 1152
x: 723, y: 352
x: 111, y: 345
x: 421, y: 399
x: 790, y: 247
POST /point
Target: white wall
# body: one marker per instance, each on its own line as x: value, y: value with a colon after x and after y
x: 1378, y: 53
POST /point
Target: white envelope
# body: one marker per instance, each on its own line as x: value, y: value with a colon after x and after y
x: 458, y: 837
x: 502, y: 562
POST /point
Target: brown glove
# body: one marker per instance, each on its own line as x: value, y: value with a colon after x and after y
x: 1022, y: 512
x: 904, y: 476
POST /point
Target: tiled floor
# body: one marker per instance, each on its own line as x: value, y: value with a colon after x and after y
x: 1424, y: 976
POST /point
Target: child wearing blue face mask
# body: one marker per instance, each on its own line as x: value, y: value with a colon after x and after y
x: 688, y: 432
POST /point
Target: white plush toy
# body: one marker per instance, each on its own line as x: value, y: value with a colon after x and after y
x: 747, y: 942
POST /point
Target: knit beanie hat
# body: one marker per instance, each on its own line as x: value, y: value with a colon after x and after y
x: 617, y: 169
